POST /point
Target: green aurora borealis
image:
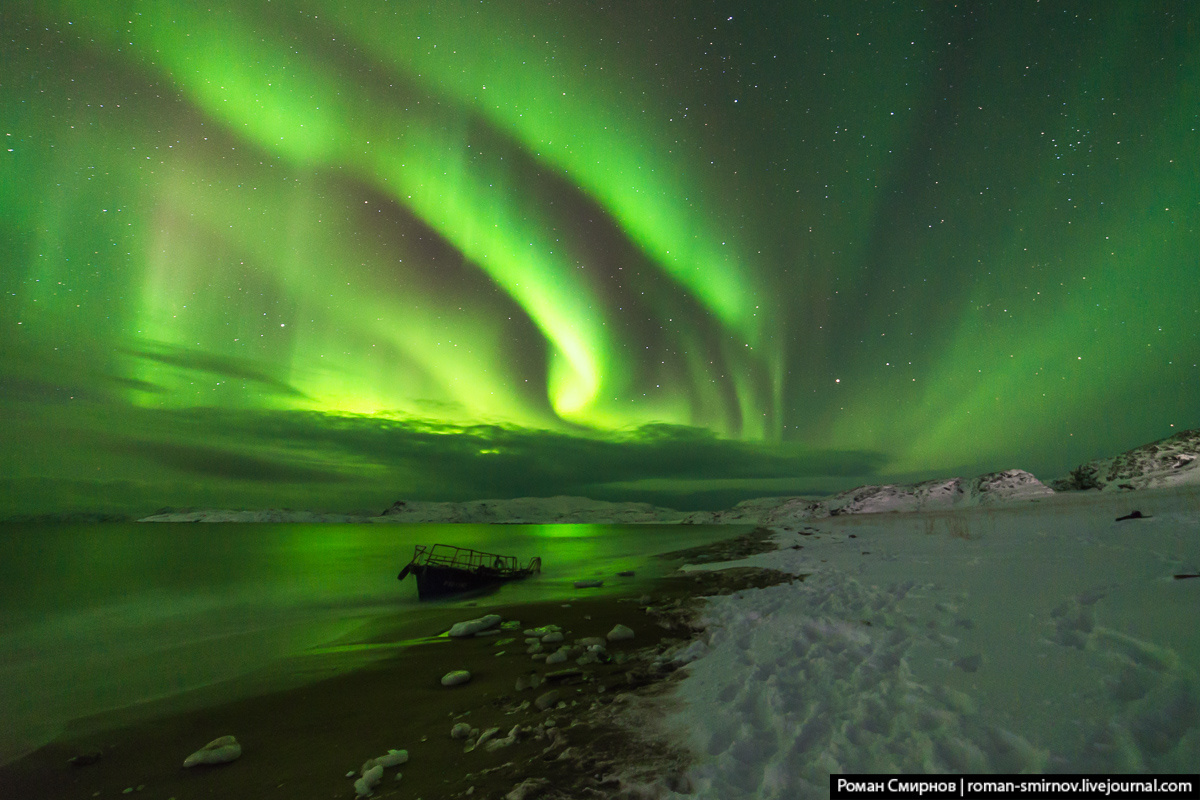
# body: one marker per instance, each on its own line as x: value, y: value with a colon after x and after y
x: 331, y: 255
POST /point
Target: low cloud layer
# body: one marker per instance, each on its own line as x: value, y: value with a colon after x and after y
x: 322, y: 461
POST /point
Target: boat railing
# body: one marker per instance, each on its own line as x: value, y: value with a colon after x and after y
x: 445, y: 555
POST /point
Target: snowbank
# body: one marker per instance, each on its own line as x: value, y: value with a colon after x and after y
x: 1034, y: 637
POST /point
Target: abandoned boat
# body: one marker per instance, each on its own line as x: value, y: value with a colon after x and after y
x: 444, y: 569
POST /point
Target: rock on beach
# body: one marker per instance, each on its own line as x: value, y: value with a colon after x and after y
x: 527, y: 789
x: 365, y: 785
x: 456, y: 677
x: 620, y: 633
x: 548, y: 700
x: 394, y: 758
x: 461, y: 630
x: 218, y: 751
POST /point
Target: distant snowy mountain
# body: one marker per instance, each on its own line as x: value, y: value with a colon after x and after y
x: 527, y: 510
x: 995, y: 487
x: 530, y: 510
x: 1174, y: 461
x: 931, y: 495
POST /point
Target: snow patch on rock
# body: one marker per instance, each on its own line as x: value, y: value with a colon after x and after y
x: 991, y: 489
x: 1174, y: 461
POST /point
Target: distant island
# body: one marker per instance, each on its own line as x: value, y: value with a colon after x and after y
x: 1166, y: 463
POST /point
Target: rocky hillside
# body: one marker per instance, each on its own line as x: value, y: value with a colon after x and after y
x: 1168, y: 462
x: 995, y: 487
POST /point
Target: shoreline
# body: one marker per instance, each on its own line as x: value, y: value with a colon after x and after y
x: 302, y: 740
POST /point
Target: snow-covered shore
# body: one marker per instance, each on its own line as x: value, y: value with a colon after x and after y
x: 1037, y: 637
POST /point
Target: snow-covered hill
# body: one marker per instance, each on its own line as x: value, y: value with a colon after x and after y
x: 931, y: 495
x: 1174, y: 461
x: 995, y: 487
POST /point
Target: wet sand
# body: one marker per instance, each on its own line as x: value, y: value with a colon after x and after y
x: 382, y: 690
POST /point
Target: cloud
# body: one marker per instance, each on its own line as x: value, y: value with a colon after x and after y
x: 21, y: 389
x: 229, y: 464
x: 192, y: 358
x: 436, y: 460
x: 306, y: 459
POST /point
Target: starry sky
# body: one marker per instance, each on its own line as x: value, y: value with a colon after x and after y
x: 329, y: 255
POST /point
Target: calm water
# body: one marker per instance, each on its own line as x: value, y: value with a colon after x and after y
x: 97, y: 617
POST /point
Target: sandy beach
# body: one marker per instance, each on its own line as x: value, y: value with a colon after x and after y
x: 301, y: 741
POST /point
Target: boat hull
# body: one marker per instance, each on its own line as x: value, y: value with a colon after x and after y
x: 444, y: 570
x: 437, y: 581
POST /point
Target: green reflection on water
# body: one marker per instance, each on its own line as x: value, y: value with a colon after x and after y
x: 574, y: 531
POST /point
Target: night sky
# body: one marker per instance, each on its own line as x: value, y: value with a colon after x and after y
x: 329, y: 255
